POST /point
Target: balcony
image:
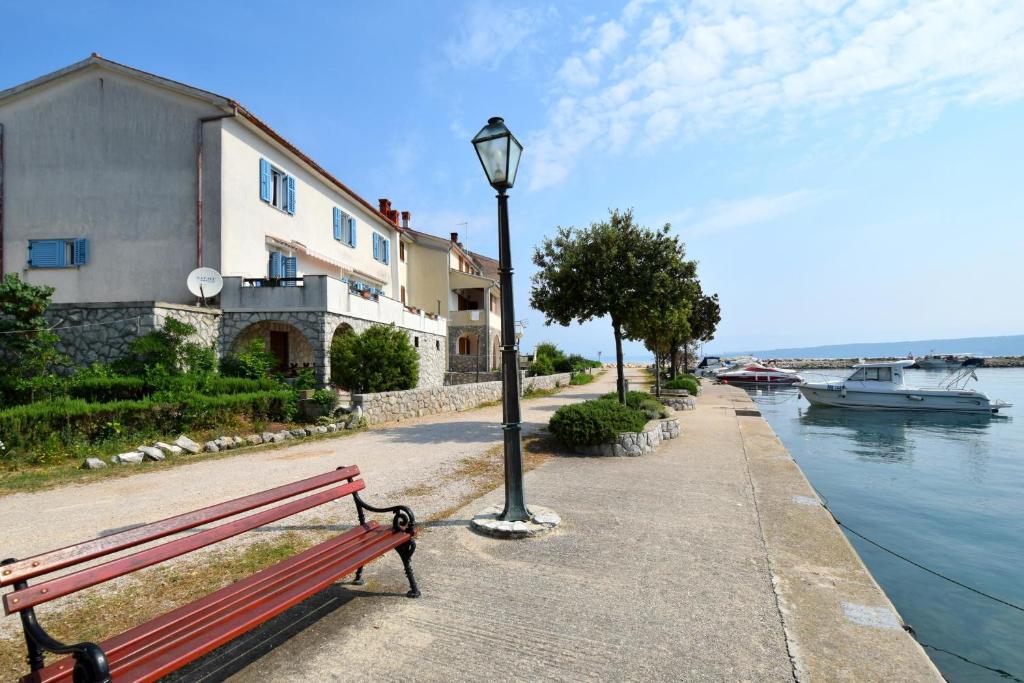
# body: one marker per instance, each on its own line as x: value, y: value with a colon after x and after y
x: 322, y: 294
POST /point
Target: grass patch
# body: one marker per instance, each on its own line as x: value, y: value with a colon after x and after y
x: 580, y: 379
x: 102, y: 613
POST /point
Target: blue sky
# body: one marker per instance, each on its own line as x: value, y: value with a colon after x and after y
x: 844, y: 170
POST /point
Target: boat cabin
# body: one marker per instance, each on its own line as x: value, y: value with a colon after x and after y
x: 890, y: 372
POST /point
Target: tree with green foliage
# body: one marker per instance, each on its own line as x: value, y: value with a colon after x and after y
x: 381, y: 358
x: 606, y: 269
x: 703, y: 319
x: 28, y: 345
x: 657, y: 328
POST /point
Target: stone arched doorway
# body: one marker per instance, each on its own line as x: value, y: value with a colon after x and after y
x: 289, y: 346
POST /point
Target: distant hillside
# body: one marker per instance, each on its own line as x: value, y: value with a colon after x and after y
x: 981, y: 346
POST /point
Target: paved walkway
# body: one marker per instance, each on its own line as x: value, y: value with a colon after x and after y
x: 702, y: 561
x: 392, y: 458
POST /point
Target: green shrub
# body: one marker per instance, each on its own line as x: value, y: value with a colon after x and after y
x: 165, y: 352
x: 633, y: 398
x: 593, y: 422
x: 541, y: 365
x: 687, y: 382
x: 305, y: 379
x: 325, y: 398
x: 581, y: 378
x: 60, y: 424
x: 381, y: 358
x: 253, y: 362
x: 653, y: 409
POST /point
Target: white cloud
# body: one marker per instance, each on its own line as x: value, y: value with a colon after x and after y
x: 489, y: 32
x: 729, y: 215
x: 695, y: 67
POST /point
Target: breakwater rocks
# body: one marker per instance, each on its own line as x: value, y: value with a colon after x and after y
x: 842, y: 363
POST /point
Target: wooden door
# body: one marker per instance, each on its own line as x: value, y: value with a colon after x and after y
x: 279, y: 347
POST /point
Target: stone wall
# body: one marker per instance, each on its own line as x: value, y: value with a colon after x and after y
x: 451, y: 378
x: 392, y: 406
x: 103, y: 332
x: 633, y: 444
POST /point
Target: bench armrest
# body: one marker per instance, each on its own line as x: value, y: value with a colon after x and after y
x: 90, y: 660
x: 403, y: 520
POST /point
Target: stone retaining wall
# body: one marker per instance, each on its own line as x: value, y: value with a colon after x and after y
x: 103, y: 332
x: 390, y: 406
x: 633, y: 444
x: 451, y: 378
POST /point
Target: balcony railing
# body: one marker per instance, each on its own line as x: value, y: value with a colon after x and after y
x: 327, y: 294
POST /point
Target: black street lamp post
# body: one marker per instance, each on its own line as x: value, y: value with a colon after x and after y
x: 499, y: 154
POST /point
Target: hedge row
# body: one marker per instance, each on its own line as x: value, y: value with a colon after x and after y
x: 64, y: 422
x: 107, y: 389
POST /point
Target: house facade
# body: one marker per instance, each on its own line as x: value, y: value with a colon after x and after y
x: 462, y: 287
x: 116, y: 183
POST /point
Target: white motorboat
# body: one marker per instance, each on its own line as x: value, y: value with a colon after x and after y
x: 949, y: 361
x: 880, y: 386
x: 757, y: 373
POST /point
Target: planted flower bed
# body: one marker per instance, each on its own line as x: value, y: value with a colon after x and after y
x: 606, y: 427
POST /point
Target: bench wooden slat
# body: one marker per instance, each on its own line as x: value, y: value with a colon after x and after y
x: 82, y: 552
x: 70, y: 583
x: 250, y: 613
x: 151, y: 633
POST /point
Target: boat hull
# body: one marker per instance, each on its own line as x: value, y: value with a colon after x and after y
x: 762, y: 379
x: 911, y: 400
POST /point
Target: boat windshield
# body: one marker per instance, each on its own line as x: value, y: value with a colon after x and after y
x: 871, y: 375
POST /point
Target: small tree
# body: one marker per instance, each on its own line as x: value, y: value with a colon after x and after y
x: 657, y: 328
x: 605, y: 270
x: 167, y: 351
x: 28, y: 346
x: 379, y: 359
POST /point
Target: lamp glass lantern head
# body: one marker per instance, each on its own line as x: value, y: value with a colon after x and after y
x: 499, y: 153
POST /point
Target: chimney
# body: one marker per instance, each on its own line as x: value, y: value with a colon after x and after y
x: 406, y: 216
x: 455, y: 237
x: 385, y: 205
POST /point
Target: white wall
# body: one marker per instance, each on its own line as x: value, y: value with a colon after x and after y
x: 246, y: 221
x: 107, y: 157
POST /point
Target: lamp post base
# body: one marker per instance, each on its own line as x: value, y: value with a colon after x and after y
x: 542, y: 520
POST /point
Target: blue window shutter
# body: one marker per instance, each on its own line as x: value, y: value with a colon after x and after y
x: 290, y: 269
x: 376, y: 246
x: 387, y: 250
x: 276, y: 264
x: 46, y: 253
x: 337, y: 224
x: 352, y: 232
x: 264, y: 180
x: 81, y: 251
x: 291, y: 195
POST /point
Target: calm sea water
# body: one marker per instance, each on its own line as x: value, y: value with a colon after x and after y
x: 945, y: 490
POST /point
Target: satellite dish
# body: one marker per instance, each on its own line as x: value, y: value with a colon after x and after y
x: 205, y: 282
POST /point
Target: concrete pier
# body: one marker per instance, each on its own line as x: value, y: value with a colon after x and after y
x: 710, y: 559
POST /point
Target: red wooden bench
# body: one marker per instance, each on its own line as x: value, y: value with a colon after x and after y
x: 167, y: 643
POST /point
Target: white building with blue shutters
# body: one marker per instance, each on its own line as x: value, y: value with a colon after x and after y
x: 116, y: 183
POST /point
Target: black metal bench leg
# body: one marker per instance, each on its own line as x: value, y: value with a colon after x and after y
x: 359, y: 580
x: 405, y: 551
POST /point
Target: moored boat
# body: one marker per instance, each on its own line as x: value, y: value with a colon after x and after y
x: 757, y: 373
x: 880, y: 386
x: 949, y: 361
